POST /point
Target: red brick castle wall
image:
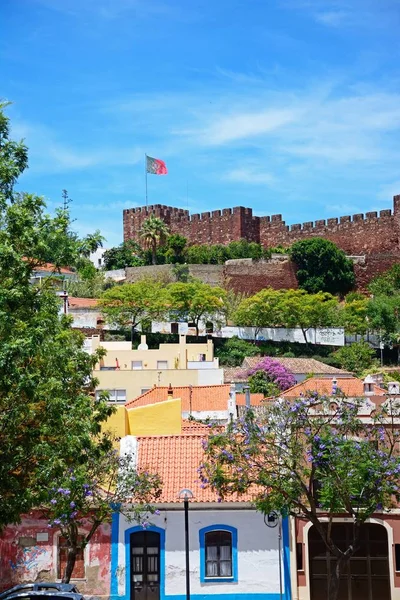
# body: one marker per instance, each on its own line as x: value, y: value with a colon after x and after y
x: 356, y: 235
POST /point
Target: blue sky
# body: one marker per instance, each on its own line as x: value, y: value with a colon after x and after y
x: 286, y: 106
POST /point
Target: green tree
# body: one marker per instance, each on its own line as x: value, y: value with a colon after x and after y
x: 127, y: 254
x: 91, y: 492
x: 196, y: 301
x: 386, y: 284
x: 354, y: 314
x: 198, y: 255
x: 153, y: 234
x: 259, y: 311
x: 132, y: 304
x: 322, y: 267
x: 311, y: 459
x: 355, y: 358
x: 175, y: 248
x: 288, y: 308
x: 234, y: 350
x: 88, y: 287
x: 48, y: 413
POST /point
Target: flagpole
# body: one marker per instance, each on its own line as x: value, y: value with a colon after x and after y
x: 145, y: 175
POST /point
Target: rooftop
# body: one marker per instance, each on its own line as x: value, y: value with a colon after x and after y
x: 194, y: 398
x: 176, y: 459
x: 297, y: 365
x: 349, y: 386
x: 82, y: 302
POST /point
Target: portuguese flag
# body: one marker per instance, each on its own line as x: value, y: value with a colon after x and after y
x: 155, y: 166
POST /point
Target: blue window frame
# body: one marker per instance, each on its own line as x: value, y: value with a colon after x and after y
x: 218, y: 554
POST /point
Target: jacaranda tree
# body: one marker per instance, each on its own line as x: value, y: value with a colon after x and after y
x: 313, y: 458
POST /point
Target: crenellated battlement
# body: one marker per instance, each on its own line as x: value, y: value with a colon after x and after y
x: 356, y: 234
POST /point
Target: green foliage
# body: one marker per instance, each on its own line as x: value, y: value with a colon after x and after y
x: 181, y: 272
x: 259, y: 383
x: 49, y: 418
x: 128, y: 254
x: 354, y: 314
x: 153, y: 233
x: 195, y: 301
x: 313, y: 459
x: 217, y: 254
x: 175, y: 249
x: 130, y: 304
x: 77, y: 499
x: 322, y: 266
x: 287, y: 308
x: 387, y: 284
x: 234, y: 351
x: 355, y: 358
x: 91, y: 287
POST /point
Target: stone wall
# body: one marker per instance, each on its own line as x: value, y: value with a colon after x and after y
x: 248, y: 277
x: 357, y: 235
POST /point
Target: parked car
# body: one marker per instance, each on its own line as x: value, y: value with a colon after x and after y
x: 44, y: 595
x: 40, y: 587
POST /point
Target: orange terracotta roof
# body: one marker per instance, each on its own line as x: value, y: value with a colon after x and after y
x: 50, y: 268
x: 82, y: 302
x: 294, y: 365
x: 194, y: 398
x: 176, y: 459
x: 189, y: 426
x: 350, y: 386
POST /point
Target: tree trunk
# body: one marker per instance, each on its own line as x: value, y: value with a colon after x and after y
x: 154, y: 254
x: 69, y: 567
x: 334, y: 580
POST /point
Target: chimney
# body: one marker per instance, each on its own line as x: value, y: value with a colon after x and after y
x: 170, y: 391
x: 368, y: 385
x: 232, y: 403
x: 143, y: 343
x: 247, y: 395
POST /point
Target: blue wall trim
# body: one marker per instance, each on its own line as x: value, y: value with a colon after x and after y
x: 114, y: 553
x: 286, y: 559
x: 128, y: 559
x: 222, y: 596
x: 202, y: 539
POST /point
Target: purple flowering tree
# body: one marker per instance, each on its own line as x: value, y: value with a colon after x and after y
x: 311, y: 458
x: 86, y: 496
x: 269, y: 377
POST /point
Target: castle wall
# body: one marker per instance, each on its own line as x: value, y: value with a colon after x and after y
x: 359, y: 234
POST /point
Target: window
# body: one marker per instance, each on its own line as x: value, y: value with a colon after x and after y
x: 114, y: 395
x: 162, y: 364
x: 137, y: 364
x: 144, y: 390
x: 397, y: 556
x: 62, y: 553
x: 218, y: 553
x: 299, y: 556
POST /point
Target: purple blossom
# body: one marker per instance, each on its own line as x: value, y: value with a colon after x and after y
x: 157, y: 512
x: 275, y: 372
x: 53, y: 501
x: 72, y: 504
x: 88, y: 493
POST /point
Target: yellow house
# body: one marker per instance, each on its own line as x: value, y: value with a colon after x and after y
x: 127, y: 373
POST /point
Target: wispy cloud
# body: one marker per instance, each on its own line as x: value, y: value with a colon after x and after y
x: 251, y: 176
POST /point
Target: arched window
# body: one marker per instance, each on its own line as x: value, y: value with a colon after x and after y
x: 218, y: 553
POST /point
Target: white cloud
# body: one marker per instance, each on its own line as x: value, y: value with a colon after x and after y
x: 250, y: 176
x: 246, y: 125
x: 333, y: 18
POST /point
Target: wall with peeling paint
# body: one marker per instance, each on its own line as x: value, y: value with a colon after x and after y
x: 28, y: 553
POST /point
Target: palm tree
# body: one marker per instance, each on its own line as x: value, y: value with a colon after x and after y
x: 153, y: 233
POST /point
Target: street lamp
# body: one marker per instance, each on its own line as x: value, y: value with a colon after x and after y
x: 272, y: 520
x: 186, y: 495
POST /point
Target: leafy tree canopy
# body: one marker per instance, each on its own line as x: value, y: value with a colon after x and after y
x: 387, y: 284
x: 322, y: 267
x: 153, y: 233
x: 355, y: 358
x: 130, y: 304
x: 48, y: 415
x: 232, y: 351
x: 128, y: 254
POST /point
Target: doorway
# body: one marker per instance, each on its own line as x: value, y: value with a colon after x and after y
x: 367, y: 575
x: 145, y: 565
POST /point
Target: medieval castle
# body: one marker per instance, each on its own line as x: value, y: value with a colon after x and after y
x: 374, y: 238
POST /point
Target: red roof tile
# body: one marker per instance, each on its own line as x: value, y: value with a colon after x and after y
x: 194, y: 398
x: 176, y: 459
x: 50, y: 268
x: 350, y: 386
x: 82, y: 302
